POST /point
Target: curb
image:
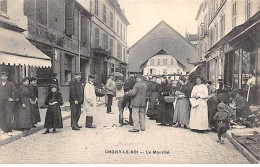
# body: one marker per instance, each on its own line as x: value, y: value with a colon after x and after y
x: 31, y: 131
x: 26, y: 133
x: 243, y: 150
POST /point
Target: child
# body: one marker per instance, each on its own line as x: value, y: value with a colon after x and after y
x: 53, y: 118
x: 221, y: 117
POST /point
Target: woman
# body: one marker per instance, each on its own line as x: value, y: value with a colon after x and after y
x: 199, y: 109
x: 251, y: 89
x: 34, y: 101
x: 154, y: 89
x: 182, y: 109
x: 53, y: 118
x: 23, y: 117
x: 166, y: 110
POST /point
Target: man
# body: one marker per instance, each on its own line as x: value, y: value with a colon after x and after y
x: 110, y: 90
x: 90, y: 102
x: 138, y: 103
x: 8, y: 97
x: 76, y: 100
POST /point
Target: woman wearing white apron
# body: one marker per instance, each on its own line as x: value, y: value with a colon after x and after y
x: 199, y: 108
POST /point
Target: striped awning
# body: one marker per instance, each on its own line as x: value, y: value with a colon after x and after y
x: 15, y: 49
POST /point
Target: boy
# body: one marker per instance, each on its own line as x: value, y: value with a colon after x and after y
x: 221, y: 118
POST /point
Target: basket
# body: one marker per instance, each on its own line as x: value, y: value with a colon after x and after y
x: 169, y: 99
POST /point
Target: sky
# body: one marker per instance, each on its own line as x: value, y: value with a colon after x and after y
x: 144, y: 15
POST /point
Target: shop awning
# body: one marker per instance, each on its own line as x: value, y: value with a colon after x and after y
x: 193, y: 70
x: 15, y: 49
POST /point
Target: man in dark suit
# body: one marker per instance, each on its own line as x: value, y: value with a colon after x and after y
x: 76, y: 100
x: 8, y: 96
x: 138, y: 103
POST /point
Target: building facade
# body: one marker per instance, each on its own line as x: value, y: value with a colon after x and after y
x: 163, y: 64
x: 109, y: 38
x: 229, y: 41
x: 62, y: 30
x: 17, y: 54
x: 161, y: 39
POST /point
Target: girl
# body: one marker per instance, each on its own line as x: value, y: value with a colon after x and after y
x: 53, y: 118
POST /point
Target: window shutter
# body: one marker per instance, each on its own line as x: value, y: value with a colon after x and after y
x: 84, y: 30
x: 96, y: 38
x: 69, y: 17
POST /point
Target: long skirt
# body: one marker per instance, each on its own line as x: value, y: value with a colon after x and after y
x: 152, y: 111
x: 166, y: 111
x: 199, y: 116
x: 23, y: 116
x: 35, y: 113
x: 182, y: 111
x: 53, y: 118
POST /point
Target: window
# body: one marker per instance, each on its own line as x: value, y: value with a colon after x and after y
x: 216, y: 5
x: 41, y: 12
x: 234, y: 13
x: 117, y: 30
x: 158, y: 62
x: 104, y: 14
x: 112, y: 47
x: 3, y: 5
x: 124, y: 34
x: 66, y: 68
x: 96, y: 38
x: 124, y: 55
x: 164, y: 62
x: 90, y: 5
x: 222, y: 26
x: 216, y: 32
x: 248, y: 9
x: 119, y: 51
x: 172, y: 61
x: 111, y: 20
x: 96, y: 7
x: 69, y: 18
x: 120, y: 30
x: 84, y: 30
x: 152, y: 62
x: 165, y: 71
x: 105, y: 41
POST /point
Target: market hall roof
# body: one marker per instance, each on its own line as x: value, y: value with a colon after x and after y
x: 162, y: 37
x: 15, y: 49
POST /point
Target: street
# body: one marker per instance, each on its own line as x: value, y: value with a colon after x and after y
x: 108, y: 144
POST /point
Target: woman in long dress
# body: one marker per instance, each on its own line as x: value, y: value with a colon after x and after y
x: 199, y: 108
x: 166, y: 110
x: 182, y: 109
x: 154, y: 89
x: 23, y: 116
x: 34, y: 101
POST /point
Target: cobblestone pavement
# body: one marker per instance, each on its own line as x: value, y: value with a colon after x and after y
x: 97, y: 145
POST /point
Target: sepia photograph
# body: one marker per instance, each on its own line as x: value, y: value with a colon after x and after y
x: 130, y: 82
